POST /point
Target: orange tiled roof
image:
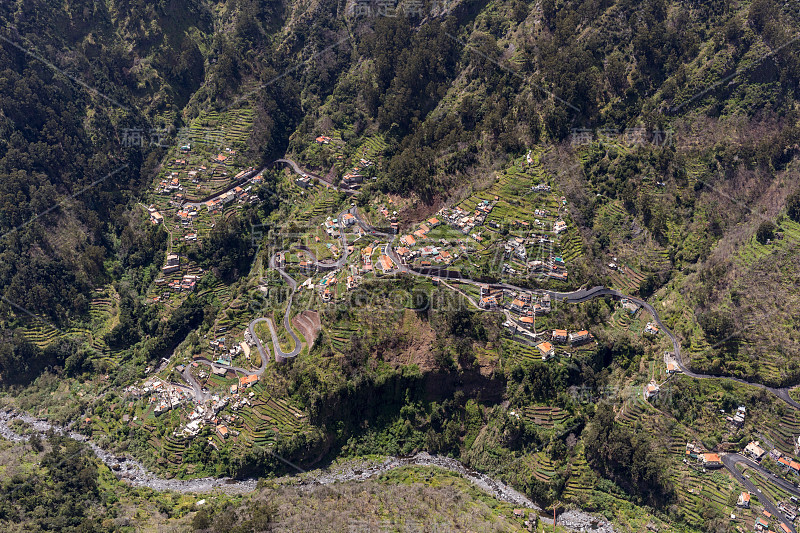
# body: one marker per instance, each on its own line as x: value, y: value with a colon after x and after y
x: 246, y: 380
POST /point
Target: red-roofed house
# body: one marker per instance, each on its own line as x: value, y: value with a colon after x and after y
x: 385, y: 263
x: 712, y: 460
x: 560, y: 336
x: 744, y: 500
x: 248, y: 381
x: 546, y: 349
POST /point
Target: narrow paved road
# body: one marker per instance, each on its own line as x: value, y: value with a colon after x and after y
x: 280, y: 355
x: 199, y: 395
x: 583, y: 295
x: 735, y: 458
x: 729, y: 462
x: 305, y: 174
x: 244, y: 179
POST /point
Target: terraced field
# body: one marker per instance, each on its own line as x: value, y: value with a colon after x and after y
x: 102, y: 318
x: 784, y: 434
x: 39, y: 333
x: 268, y: 419
x: 632, y: 411
x: 541, y: 466
x: 627, y: 281
x: 372, y: 147
x: 544, y: 416
x: 324, y: 205
x: 709, y: 490
x: 581, y: 482
x: 515, y: 353
x: 213, y: 130
x: 340, y: 337
x: 571, y: 245
x: 754, y: 252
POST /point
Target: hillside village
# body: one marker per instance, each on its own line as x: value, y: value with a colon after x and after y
x: 519, y: 230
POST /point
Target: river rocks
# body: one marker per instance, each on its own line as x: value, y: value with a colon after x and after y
x: 137, y: 475
x: 584, y: 522
x: 362, y: 470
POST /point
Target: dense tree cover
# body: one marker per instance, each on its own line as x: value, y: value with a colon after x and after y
x: 256, y: 516
x: 62, y: 498
x: 793, y: 206
x: 228, y: 249
x: 20, y: 360
x: 629, y: 458
x: 765, y: 232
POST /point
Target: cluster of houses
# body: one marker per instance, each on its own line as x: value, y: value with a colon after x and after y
x: 206, y: 415
x: 163, y: 396
x: 554, y: 267
x: 762, y: 522
x: 391, y: 217
x: 355, y: 177
x: 560, y: 336
x: 325, y: 287
x: 238, y: 193
x: 332, y: 225
x: 755, y: 451
x: 524, y: 304
x: 185, y: 284
x: 516, y: 249
x: 706, y: 459
x: 787, y: 462
x: 186, y: 216
x: 169, y: 184
x: 465, y: 221
x: 737, y: 420
x: 416, y: 245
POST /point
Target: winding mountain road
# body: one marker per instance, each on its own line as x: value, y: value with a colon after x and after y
x: 238, y: 183
x: 280, y: 355
x: 584, y: 295
x: 730, y: 460
x: 305, y: 174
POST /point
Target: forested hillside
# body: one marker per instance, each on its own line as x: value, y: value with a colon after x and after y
x: 664, y: 131
x: 455, y: 91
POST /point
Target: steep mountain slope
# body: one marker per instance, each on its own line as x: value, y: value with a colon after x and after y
x: 670, y: 126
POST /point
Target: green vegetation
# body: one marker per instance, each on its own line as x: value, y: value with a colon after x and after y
x: 477, y: 110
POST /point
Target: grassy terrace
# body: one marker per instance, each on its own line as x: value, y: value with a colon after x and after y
x: 101, y: 319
